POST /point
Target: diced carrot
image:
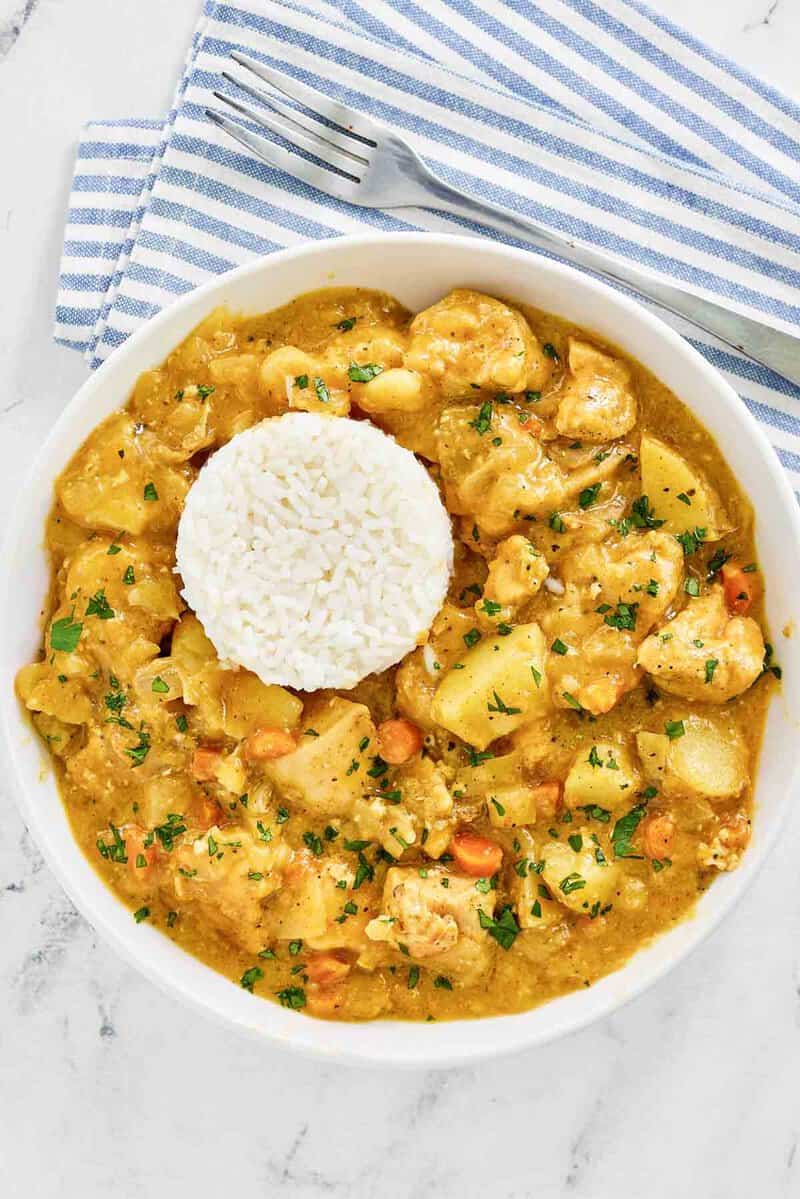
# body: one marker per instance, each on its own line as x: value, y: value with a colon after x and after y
x: 398, y: 741
x: 267, y: 743
x: 658, y: 832
x: 548, y: 799
x: 143, y: 860
x: 739, y: 587
x: 205, y: 763
x: 206, y: 812
x: 476, y: 855
x: 325, y: 1002
x: 326, y: 968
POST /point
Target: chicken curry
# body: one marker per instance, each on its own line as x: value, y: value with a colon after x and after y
x: 548, y: 781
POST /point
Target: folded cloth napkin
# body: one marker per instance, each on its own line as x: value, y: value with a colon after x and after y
x: 598, y: 118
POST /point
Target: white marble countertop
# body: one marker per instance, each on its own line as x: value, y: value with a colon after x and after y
x: 108, y: 1087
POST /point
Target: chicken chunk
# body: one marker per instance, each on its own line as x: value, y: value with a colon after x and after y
x: 422, y: 817
x: 705, y: 654
x: 493, y: 467
x: 516, y: 573
x: 122, y: 478
x: 597, y: 401
x: 317, y: 903
x: 436, y: 922
x: 325, y: 773
x: 590, y: 665
x: 226, y: 875
x: 641, y: 571
x: 727, y: 846
x: 472, y: 340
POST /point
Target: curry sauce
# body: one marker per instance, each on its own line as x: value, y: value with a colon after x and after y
x: 545, y: 784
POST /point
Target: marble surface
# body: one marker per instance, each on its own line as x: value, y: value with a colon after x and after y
x: 108, y: 1087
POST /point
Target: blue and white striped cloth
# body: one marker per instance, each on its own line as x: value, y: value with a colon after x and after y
x: 598, y: 118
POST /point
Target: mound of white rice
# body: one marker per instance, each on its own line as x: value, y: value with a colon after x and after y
x: 314, y: 550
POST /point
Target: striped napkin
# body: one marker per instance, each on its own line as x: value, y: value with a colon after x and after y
x: 598, y: 118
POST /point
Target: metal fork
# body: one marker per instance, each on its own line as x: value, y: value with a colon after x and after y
x: 364, y: 162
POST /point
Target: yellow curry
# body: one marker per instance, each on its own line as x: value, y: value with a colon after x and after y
x: 546, y: 783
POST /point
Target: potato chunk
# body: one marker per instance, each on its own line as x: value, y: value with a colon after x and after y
x: 472, y: 340
x: 501, y: 686
x: 602, y: 774
x: 669, y: 481
x: 574, y: 877
x: 249, y: 704
x: 709, y: 760
x: 597, y: 402
x: 320, y: 776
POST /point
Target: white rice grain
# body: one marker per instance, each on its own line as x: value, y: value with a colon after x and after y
x: 314, y: 550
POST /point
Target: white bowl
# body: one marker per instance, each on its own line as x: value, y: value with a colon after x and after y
x: 418, y: 269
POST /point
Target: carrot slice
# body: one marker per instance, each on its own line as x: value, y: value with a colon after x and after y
x: 326, y: 968
x: 658, y: 832
x: 740, y: 588
x: 548, y: 799
x: 398, y: 741
x: 476, y: 855
x: 205, y: 762
x: 267, y: 743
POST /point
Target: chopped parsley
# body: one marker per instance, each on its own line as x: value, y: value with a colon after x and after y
x: 301, y: 382
x: 674, y: 729
x: 691, y: 540
x: 141, y: 914
x: 129, y: 578
x: 159, y: 686
x: 314, y: 844
x: 65, y: 634
x: 711, y: 666
x: 99, y: 606
x: 573, y: 882
x: 589, y: 495
x: 181, y: 723
x: 472, y: 637
x: 320, y: 387
x: 251, y: 977
x: 150, y: 493
x: 365, y: 373
x: 140, y: 751
x: 623, y: 617
x: 556, y: 523
x: 504, y: 930
x: 483, y: 421
x: 501, y: 707
x: 623, y: 831
x: 345, y: 325
x: 558, y: 647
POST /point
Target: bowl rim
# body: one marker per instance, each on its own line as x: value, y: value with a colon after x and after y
x: 420, y: 1045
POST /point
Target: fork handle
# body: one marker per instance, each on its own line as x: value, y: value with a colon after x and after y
x: 770, y: 347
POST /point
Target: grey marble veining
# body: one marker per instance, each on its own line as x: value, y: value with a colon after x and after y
x: 109, y: 1087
